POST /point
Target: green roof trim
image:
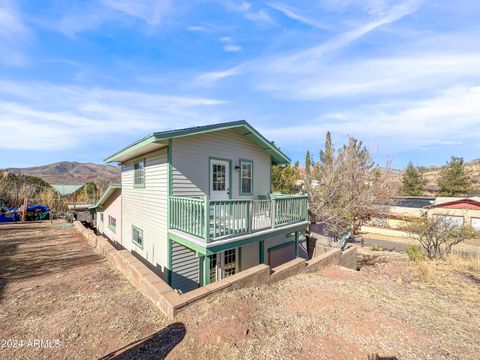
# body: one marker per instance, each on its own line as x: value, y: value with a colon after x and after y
x: 106, y: 195
x: 278, y: 157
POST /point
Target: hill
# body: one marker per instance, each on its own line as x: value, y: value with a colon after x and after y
x: 431, y: 174
x: 71, y: 173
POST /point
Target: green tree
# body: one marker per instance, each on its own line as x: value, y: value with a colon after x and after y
x: 412, y: 181
x: 326, y: 155
x: 454, y: 179
x: 284, y: 179
x: 88, y: 193
x: 308, y: 163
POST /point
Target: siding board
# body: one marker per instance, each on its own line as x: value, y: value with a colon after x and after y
x: 191, y: 162
x: 185, y: 268
x: 146, y: 208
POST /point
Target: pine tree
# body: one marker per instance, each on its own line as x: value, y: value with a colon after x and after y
x: 308, y: 163
x: 454, y: 179
x: 412, y: 181
x: 326, y: 156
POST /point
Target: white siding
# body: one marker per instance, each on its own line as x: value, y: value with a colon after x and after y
x: 146, y: 208
x: 191, y: 162
x: 100, y: 222
x: 185, y: 268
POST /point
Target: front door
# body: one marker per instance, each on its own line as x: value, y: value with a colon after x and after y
x: 219, y: 179
x: 224, y: 264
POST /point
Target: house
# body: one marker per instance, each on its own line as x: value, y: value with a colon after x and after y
x: 107, y: 215
x: 461, y: 211
x: 196, y: 204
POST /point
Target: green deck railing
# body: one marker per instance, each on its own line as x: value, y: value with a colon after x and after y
x: 219, y: 219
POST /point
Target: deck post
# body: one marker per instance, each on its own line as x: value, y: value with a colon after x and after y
x: 261, y: 251
x: 206, y: 270
x: 206, y: 218
x: 296, y: 244
x: 274, y: 210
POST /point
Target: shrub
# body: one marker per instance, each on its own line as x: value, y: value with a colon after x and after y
x: 376, y: 248
x: 414, y: 253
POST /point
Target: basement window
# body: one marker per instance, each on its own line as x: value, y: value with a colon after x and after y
x: 137, y: 236
x: 112, y: 223
x: 139, y: 175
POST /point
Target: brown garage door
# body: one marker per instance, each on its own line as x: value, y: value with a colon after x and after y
x: 279, y: 255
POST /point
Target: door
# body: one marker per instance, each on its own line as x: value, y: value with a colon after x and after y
x: 219, y: 179
x: 224, y: 264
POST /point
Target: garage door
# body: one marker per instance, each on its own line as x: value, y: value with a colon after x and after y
x: 476, y: 223
x: 279, y: 255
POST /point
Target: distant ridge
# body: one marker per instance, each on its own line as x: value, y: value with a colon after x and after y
x: 72, y: 173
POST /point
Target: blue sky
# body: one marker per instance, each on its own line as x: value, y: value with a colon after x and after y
x: 79, y: 80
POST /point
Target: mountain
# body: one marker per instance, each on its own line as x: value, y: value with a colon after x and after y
x: 72, y: 173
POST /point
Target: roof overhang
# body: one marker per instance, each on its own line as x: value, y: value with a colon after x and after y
x: 454, y: 202
x: 106, y: 195
x: 160, y: 139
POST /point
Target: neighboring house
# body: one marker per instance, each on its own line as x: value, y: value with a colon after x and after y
x: 462, y: 211
x: 108, y: 216
x: 196, y: 204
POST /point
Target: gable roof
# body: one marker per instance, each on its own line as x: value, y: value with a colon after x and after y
x: 244, y: 127
x: 448, y: 201
x: 106, y: 195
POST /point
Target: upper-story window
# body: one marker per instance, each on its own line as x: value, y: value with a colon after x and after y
x: 139, y: 176
x: 246, y: 177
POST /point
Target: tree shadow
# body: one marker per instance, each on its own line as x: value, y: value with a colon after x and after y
x: 156, y: 346
x: 380, y: 357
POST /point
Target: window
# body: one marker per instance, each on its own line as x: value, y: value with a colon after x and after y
x: 218, y: 183
x: 246, y: 177
x: 112, y: 223
x: 229, y: 267
x: 101, y: 217
x: 137, y: 236
x: 139, y: 176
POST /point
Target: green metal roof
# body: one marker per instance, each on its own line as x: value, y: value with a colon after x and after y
x: 106, y: 195
x: 245, y: 128
x: 66, y: 189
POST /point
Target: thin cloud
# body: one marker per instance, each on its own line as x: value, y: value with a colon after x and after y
x: 438, y: 120
x: 285, y: 10
x: 61, y: 117
x: 92, y: 15
x: 14, y: 35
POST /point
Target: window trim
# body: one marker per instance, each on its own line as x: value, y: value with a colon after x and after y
x: 111, y: 227
x: 139, y: 186
x: 240, y: 187
x: 133, y: 240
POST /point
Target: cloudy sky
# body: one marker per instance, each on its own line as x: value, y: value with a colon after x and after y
x: 81, y: 79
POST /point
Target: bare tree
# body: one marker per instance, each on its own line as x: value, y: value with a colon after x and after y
x: 438, y: 235
x: 346, y: 187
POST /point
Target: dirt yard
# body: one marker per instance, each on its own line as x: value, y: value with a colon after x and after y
x: 55, y: 287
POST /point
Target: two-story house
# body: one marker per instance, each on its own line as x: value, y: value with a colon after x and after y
x: 197, y: 206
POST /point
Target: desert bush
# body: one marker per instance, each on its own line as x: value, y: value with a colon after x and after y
x: 376, y: 248
x: 438, y: 235
x: 415, y: 253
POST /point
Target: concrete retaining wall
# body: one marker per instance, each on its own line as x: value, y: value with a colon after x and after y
x: 171, y: 303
